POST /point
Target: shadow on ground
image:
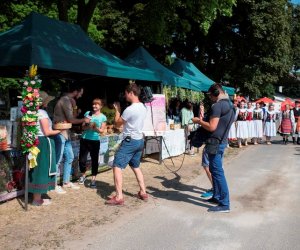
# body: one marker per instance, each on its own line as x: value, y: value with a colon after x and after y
x: 178, y: 192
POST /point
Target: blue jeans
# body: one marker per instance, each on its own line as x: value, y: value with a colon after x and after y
x: 221, y: 192
x: 64, y: 149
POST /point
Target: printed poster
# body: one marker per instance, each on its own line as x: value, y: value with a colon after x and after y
x: 155, y: 122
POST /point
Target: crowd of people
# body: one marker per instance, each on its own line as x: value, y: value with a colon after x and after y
x: 254, y: 121
x: 237, y: 121
x: 56, y: 148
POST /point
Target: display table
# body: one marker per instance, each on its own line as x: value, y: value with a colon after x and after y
x: 171, y: 143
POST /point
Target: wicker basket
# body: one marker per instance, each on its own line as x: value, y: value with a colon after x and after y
x: 62, y: 125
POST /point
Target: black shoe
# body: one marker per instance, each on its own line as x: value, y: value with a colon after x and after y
x: 219, y: 209
x: 213, y: 200
x: 298, y: 141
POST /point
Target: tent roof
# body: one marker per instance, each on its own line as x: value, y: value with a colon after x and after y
x: 190, y: 71
x: 57, y: 45
x: 141, y: 58
x: 265, y: 100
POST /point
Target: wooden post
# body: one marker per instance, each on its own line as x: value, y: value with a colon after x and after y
x: 160, y: 148
x: 26, y: 183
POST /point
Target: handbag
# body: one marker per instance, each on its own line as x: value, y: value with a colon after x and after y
x: 212, y: 146
x: 198, y: 137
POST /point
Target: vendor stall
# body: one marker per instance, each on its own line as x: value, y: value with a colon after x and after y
x: 12, y: 164
x: 158, y: 137
x: 66, y: 62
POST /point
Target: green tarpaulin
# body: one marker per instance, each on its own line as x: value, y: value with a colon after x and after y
x: 141, y: 58
x: 188, y: 70
x: 57, y: 45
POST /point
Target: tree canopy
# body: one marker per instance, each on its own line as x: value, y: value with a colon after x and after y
x: 252, y: 44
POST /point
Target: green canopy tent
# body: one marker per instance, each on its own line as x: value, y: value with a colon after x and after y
x: 59, y: 46
x: 190, y: 71
x: 142, y: 59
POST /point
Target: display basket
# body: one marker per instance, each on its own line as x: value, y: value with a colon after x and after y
x: 62, y: 125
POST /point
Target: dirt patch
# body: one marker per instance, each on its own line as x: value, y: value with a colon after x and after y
x: 264, y: 196
x: 71, y: 214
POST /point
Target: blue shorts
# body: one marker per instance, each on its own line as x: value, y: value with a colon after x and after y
x: 129, y: 153
x: 205, y: 160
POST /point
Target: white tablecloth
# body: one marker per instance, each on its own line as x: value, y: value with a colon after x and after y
x: 174, y: 140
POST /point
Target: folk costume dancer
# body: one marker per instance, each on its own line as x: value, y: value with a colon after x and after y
x: 232, y: 131
x: 296, y: 111
x: 242, y: 128
x: 287, y: 123
x: 249, y: 119
x: 258, y: 115
x: 270, y: 123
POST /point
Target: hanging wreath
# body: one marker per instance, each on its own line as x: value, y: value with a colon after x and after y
x: 31, y: 103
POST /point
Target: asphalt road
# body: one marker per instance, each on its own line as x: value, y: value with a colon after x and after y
x: 264, y: 183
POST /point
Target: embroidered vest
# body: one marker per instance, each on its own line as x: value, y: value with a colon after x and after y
x: 257, y: 115
x: 242, y: 116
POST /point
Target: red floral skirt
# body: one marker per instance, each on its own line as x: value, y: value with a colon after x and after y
x: 286, y: 126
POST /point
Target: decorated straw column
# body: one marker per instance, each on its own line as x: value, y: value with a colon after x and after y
x: 31, y: 104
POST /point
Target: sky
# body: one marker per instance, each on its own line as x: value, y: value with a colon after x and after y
x: 295, y: 1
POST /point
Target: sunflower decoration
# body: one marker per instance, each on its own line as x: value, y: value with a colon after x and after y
x: 31, y: 104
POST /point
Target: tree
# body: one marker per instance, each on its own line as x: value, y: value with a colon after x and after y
x: 296, y: 36
x: 253, y: 47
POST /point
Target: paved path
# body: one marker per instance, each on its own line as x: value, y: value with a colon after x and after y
x: 264, y: 182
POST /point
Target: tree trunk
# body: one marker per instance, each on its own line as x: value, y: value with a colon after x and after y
x: 85, y: 13
x: 63, y: 7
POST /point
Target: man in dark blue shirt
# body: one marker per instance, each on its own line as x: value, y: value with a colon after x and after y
x: 221, y: 118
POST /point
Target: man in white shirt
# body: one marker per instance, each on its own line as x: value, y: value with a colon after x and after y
x: 131, y: 148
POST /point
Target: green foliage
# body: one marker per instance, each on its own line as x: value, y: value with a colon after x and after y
x: 111, y: 25
x: 296, y: 36
x: 291, y: 86
x: 250, y: 43
x: 182, y: 94
x: 9, y: 83
x: 110, y: 115
x: 15, y: 11
x: 253, y: 46
x: 164, y: 22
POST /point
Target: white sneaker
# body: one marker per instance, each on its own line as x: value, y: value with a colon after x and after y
x: 71, y: 185
x: 59, y: 190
